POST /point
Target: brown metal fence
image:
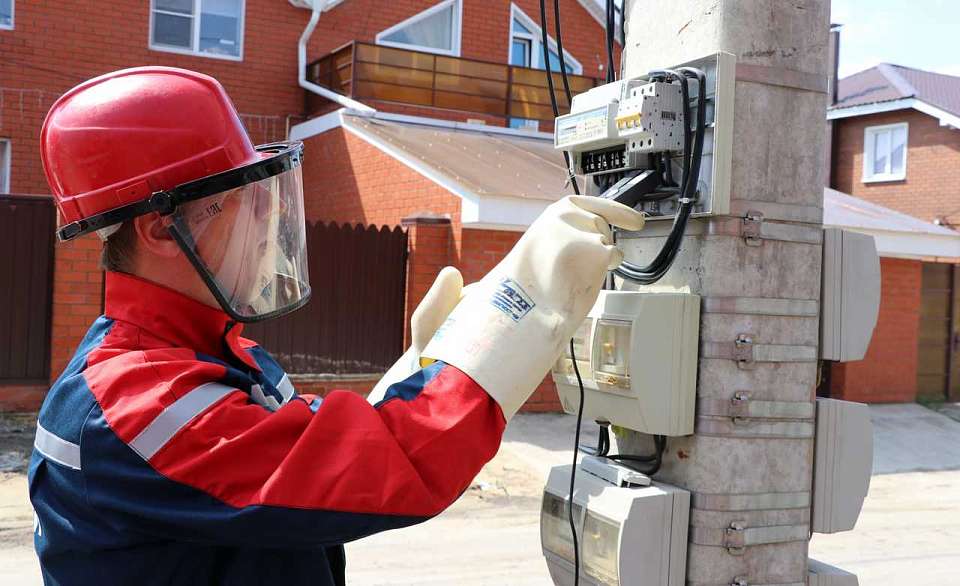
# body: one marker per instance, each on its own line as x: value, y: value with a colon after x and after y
x: 353, y: 323
x: 27, y: 224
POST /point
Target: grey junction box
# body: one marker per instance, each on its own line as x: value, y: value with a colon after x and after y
x: 850, y: 298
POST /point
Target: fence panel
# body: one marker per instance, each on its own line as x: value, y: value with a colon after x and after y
x: 27, y: 224
x: 353, y: 323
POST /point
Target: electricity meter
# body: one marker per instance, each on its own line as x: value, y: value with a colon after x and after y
x: 629, y: 536
x: 637, y: 356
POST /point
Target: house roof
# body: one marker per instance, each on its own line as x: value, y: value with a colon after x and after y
x: 505, y: 178
x: 887, y: 87
x: 896, y: 234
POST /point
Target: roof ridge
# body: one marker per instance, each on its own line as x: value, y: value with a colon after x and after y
x: 888, y: 70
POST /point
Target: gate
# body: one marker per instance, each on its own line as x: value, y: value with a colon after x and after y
x: 27, y: 224
x: 353, y: 323
x: 938, y: 369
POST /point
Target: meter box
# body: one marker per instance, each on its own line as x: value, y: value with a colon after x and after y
x: 637, y: 356
x: 614, y: 128
x: 842, y: 464
x: 821, y: 574
x: 628, y: 536
x: 850, y: 299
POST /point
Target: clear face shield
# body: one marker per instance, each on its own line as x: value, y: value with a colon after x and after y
x: 248, y: 243
x: 243, y: 230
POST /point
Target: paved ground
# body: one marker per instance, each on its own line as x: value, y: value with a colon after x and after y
x: 908, y: 533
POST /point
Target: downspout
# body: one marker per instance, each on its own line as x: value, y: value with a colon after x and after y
x: 331, y: 95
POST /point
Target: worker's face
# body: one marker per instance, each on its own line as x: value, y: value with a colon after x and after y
x: 239, y: 245
x: 251, y: 243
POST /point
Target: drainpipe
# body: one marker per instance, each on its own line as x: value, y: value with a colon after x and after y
x: 346, y: 102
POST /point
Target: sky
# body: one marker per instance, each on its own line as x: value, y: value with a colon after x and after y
x: 924, y: 34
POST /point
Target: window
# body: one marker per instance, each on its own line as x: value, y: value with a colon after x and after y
x: 526, y: 50
x: 6, y: 14
x: 213, y: 28
x: 4, y: 165
x: 435, y: 30
x: 885, y: 153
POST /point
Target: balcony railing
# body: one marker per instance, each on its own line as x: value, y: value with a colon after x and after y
x: 370, y: 72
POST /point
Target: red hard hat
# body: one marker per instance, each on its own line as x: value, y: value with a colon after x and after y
x: 121, y: 137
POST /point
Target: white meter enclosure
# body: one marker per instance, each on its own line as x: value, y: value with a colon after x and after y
x: 628, y: 536
x: 637, y: 356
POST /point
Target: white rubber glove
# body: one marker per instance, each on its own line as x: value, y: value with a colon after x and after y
x: 427, y: 317
x: 509, y: 330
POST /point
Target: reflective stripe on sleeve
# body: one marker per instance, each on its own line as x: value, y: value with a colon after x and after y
x: 57, y: 449
x: 286, y: 388
x: 172, y: 419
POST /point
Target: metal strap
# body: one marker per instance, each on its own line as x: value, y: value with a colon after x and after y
x: 743, y: 581
x: 176, y: 416
x: 747, y: 352
x: 754, y: 229
x: 767, y: 501
x: 741, y: 405
x: 760, y: 306
x: 56, y: 449
x: 776, y: 211
x: 738, y: 536
x: 754, y: 428
x: 782, y: 77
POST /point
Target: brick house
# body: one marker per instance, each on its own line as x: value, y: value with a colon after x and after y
x: 480, y: 57
x: 896, y: 144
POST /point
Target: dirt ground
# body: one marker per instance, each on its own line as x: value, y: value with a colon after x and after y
x: 908, y: 532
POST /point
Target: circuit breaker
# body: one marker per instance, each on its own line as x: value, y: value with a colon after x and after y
x: 821, y: 574
x: 637, y: 356
x: 629, y: 536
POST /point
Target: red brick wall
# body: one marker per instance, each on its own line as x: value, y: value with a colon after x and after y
x: 932, y: 186
x: 57, y: 45
x: 888, y: 372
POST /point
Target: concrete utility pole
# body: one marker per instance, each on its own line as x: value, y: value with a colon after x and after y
x: 749, y: 465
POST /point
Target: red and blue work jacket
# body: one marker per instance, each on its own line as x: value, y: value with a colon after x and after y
x: 173, y: 451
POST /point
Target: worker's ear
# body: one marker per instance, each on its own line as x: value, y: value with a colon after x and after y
x: 154, y: 236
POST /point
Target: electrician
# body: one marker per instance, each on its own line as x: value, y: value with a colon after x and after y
x: 174, y: 451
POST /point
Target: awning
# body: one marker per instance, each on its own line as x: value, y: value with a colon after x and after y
x: 896, y: 234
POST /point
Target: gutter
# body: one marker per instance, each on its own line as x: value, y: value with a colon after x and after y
x: 321, y: 91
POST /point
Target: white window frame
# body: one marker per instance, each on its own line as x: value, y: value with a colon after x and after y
x: 869, y: 139
x: 195, y: 39
x: 537, y: 47
x: 5, y: 164
x: 13, y: 16
x: 456, y: 34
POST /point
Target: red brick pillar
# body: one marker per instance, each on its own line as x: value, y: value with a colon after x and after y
x: 429, y: 247
x: 77, y: 297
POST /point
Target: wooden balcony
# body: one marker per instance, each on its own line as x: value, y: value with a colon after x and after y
x: 372, y: 73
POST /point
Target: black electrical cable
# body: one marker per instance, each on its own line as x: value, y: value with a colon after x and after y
x: 611, y: 24
x: 657, y: 268
x: 623, y: 26
x: 573, y: 472
x: 544, y: 39
x: 654, y: 461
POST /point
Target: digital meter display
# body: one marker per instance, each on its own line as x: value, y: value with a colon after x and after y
x: 583, y: 127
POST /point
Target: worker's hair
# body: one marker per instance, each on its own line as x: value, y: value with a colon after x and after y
x: 117, y: 255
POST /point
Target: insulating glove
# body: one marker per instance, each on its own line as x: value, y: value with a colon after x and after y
x: 511, y: 327
x: 427, y: 317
